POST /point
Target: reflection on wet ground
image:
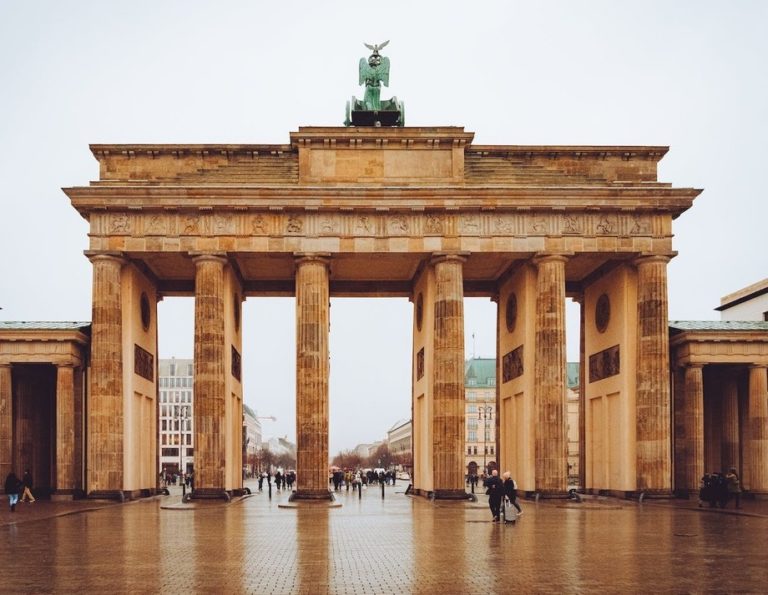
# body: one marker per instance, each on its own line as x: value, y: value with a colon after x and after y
x: 395, y: 545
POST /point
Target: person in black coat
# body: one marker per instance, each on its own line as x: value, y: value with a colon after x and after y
x: 495, y: 491
x: 510, y: 491
x: 12, y: 488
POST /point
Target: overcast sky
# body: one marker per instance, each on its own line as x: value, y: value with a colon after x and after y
x: 688, y: 74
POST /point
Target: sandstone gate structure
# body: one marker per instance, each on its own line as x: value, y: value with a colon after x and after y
x: 416, y: 212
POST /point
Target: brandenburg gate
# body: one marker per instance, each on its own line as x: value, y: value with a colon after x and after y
x: 385, y: 211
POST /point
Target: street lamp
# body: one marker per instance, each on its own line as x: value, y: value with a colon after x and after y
x: 485, y: 414
x: 181, y: 416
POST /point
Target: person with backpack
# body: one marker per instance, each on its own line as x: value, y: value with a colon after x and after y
x: 510, y: 491
x: 495, y: 490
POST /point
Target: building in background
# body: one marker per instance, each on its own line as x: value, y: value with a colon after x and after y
x: 399, y: 438
x: 750, y: 303
x: 479, y: 415
x: 176, y: 415
x: 251, y: 439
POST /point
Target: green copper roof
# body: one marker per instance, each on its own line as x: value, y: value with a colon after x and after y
x: 718, y: 325
x: 37, y: 325
x: 481, y: 373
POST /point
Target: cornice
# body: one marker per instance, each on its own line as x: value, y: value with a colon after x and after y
x: 518, y: 198
x: 599, y: 152
x: 179, y: 151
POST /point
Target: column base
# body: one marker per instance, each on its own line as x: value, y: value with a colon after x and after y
x: 209, y: 494
x: 548, y: 495
x: 107, y: 495
x: 456, y: 494
x: 311, y: 495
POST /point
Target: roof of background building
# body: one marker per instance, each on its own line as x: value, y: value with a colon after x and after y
x: 743, y: 295
x: 484, y: 369
x: 37, y: 325
x: 718, y: 325
x: 249, y: 411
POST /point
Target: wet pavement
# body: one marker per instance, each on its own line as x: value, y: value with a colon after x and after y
x: 396, y: 545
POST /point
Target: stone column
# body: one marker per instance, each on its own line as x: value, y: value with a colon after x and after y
x: 65, y: 429
x: 312, y: 370
x: 209, y: 377
x: 758, y: 429
x: 6, y: 421
x: 653, y: 463
x: 582, y: 392
x: 551, y: 442
x: 693, y: 424
x: 448, y: 419
x: 730, y: 424
x: 105, y: 410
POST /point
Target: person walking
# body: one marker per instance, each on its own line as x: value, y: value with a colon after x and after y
x: 510, y: 491
x: 495, y: 491
x: 27, y: 485
x: 12, y: 488
x: 733, y: 486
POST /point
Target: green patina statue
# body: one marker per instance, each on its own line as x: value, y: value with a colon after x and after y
x: 372, y: 111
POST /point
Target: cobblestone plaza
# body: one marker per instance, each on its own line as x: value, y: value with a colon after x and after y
x: 369, y: 545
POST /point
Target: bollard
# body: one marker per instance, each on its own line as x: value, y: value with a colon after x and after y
x: 472, y: 483
x: 360, y: 491
x: 270, y: 490
x: 382, y: 490
x: 183, y: 490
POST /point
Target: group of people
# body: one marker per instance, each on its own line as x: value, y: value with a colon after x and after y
x: 19, y: 490
x: 172, y: 478
x: 358, y: 478
x: 501, y: 491
x: 283, y: 481
x: 718, y: 489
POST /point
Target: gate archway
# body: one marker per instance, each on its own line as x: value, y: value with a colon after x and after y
x: 415, y: 212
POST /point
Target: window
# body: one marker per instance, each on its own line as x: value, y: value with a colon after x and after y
x: 472, y: 436
x: 165, y: 425
x: 170, y: 452
x: 475, y: 449
x: 471, y: 395
x: 472, y: 409
x: 486, y: 450
x: 491, y: 449
x: 469, y: 450
x: 471, y: 381
x: 765, y: 316
x: 190, y: 370
x: 492, y: 381
x: 173, y: 369
x: 472, y: 424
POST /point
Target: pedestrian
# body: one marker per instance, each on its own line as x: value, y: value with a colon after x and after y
x: 27, y: 485
x: 495, y: 491
x: 733, y: 486
x: 262, y: 475
x: 705, y: 487
x: 12, y: 488
x: 278, y: 479
x: 510, y: 491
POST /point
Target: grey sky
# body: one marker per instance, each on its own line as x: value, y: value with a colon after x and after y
x: 689, y: 74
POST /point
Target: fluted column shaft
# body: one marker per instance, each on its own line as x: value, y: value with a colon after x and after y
x: 551, y: 443
x: 312, y: 370
x: 448, y: 393
x: 693, y: 423
x: 105, y: 411
x: 65, y: 428
x: 6, y: 421
x: 758, y: 429
x: 730, y: 432
x: 209, y: 376
x: 653, y: 463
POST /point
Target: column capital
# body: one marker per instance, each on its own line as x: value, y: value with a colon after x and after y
x: 98, y: 256
x: 438, y: 257
x: 65, y: 365
x: 757, y: 366
x: 199, y: 257
x: 546, y: 257
x: 653, y: 258
x: 305, y: 257
x: 693, y: 365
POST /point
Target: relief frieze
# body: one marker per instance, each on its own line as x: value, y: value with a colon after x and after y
x: 420, y: 364
x: 433, y: 224
x: 259, y: 225
x: 143, y: 363
x: 294, y: 225
x: 604, y: 364
x: 398, y: 224
x: 512, y: 364
x: 119, y: 224
x: 518, y: 224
